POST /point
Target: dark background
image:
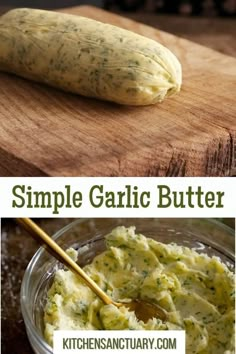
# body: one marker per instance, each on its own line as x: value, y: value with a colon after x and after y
x: 195, y: 7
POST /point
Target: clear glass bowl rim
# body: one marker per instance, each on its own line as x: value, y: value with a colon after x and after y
x: 26, y: 278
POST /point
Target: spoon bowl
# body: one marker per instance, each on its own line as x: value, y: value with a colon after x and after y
x: 145, y: 310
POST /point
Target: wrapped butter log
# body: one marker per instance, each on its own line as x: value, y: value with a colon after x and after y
x: 87, y: 57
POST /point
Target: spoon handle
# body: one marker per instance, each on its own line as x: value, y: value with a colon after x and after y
x: 57, y: 252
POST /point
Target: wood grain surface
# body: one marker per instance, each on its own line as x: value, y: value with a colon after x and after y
x: 46, y: 132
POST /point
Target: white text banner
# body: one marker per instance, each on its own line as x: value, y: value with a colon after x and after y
x: 117, y: 197
x: 119, y: 342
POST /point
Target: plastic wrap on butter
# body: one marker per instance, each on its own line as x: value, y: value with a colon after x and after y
x: 87, y: 57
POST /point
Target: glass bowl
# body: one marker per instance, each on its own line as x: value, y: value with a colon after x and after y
x: 206, y: 236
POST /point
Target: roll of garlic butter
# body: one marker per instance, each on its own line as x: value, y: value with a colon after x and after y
x: 87, y: 57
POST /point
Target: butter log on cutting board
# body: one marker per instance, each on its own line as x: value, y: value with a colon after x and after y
x: 87, y: 57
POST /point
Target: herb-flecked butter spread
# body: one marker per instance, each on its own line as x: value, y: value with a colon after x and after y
x: 87, y: 57
x: 197, y: 292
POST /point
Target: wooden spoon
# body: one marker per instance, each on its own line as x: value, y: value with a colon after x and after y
x: 143, y: 310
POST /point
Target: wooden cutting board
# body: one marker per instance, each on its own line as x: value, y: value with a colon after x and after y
x: 46, y: 132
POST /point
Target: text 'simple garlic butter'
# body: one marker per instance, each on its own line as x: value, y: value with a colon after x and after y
x: 87, y: 57
x: 197, y: 292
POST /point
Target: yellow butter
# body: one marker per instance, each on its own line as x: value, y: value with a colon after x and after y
x: 87, y: 57
x: 197, y: 292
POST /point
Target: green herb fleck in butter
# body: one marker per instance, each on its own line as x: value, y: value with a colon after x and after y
x: 87, y: 57
x: 197, y: 292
